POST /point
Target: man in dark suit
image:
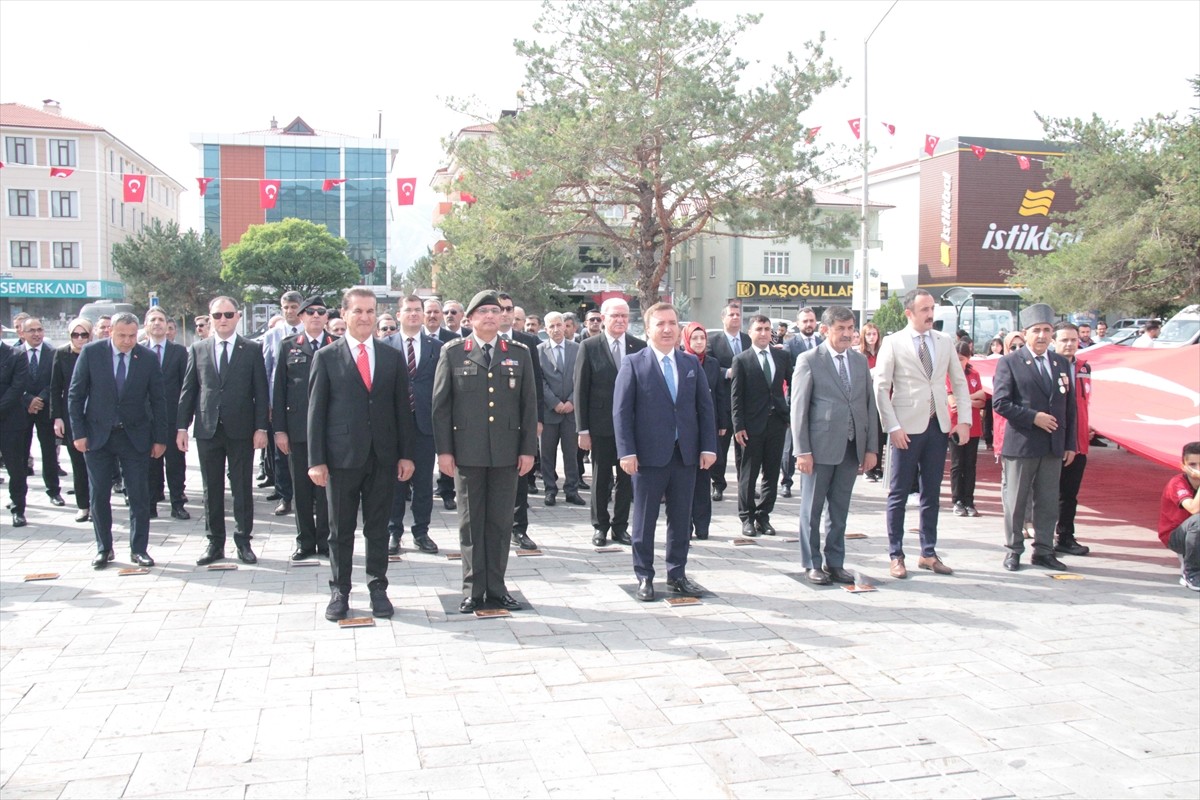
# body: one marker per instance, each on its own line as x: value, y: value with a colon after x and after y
x: 510, y: 331
x: 434, y: 317
x: 760, y: 423
x: 172, y: 360
x: 834, y: 435
x: 40, y: 358
x: 1032, y: 390
x: 596, y: 369
x: 724, y: 347
x: 119, y: 414
x: 14, y: 376
x: 360, y: 439
x: 558, y: 355
x: 665, y: 428
x: 289, y: 417
x: 225, y: 392
x: 420, y: 352
x: 455, y: 321
x: 807, y: 339
x: 485, y: 433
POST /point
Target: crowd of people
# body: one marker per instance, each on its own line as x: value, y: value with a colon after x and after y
x: 358, y: 410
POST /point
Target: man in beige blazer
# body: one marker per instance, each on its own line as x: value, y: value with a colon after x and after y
x: 910, y: 391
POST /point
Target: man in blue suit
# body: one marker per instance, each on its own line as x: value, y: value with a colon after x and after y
x: 421, y: 351
x: 119, y: 415
x: 665, y: 429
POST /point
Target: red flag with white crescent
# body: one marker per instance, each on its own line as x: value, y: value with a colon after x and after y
x: 890, y: 128
x: 812, y: 134
x: 268, y: 193
x: 856, y: 126
x: 467, y: 198
x: 60, y: 172
x: 1023, y: 162
x: 931, y: 143
x: 406, y: 191
x: 979, y: 151
x: 135, y: 188
x: 330, y: 183
x: 204, y: 182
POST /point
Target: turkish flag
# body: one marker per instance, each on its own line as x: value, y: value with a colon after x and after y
x: 467, y: 198
x: 406, y: 190
x: 890, y: 128
x: 931, y: 143
x: 812, y: 134
x: 135, y: 188
x: 330, y: 183
x: 268, y: 193
x: 979, y: 151
x: 1023, y: 162
x: 856, y: 126
x: 204, y: 182
x: 60, y: 172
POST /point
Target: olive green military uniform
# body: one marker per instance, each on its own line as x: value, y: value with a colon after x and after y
x: 486, y: 417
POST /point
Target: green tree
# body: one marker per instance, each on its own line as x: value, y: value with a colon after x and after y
x: 183, y: 268
x: 293, y: 254
x: 419, y: 275
x: 1138, y: 211
x: 636, y: 136
x: 890, y: 316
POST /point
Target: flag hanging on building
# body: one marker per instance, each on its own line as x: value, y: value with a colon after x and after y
x: 406, y: 190
x: 331, y: 183
x: 60, y: 172
x: 890, y: 128
x: 856, y: 126
x: 931, y: 143
x: 1023, y: 162
x: 268, y: 193
x: 204, y: 182
x: 979, y: 151
x: 135, y: 188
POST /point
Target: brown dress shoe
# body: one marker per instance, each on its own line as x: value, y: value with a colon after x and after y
x: 935, y: 564
x: 898, y: 570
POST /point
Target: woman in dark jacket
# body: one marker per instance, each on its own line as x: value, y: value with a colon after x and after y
x: 695, y: 341
x: 60, y: 381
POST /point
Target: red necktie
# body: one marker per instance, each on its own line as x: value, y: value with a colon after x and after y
x: 364, y: 366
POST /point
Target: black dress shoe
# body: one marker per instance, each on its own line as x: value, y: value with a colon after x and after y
x: 549, y: 499
x: 449, y: 504
x: 785, y: 491
x: 469, y: 604
x: 142, y: 559
x: 599, y: 539
x: 522, y: 540
x: 506, y: 601
x: 284, y: 507
x: 62, y: 473
x: 1012, y: 562
x: 83, y: 515
x: 425, y: 544
x: 839, y: 575
x: 533, y: 489
x: 274, y: 496
x: 102, y: 558
x: 1048, y: 562
x: 764, y: 527
x: 303, y: 554
x: 748, y: 528
x: 339, y: 605
x: 246, y: 555
x: 56, y: 500
x: 701, y: 536
x: 323, y: 551
x: 685, y: 586
x: 645, y: 591
x: 381, y: 606
x: 394, y: 545
x: 1071, y: 547
x: 818, y: 577
x: 211, y: 556
x: 265, y: 482
x: 575, y: 500
x: 584, y: 487
x: 153, y: 511
x: 179, y: 512
x: 622, y: 537
x: 19, y: 520
x: 717, y: 495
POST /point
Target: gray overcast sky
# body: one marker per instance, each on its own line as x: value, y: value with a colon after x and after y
x: 153, y: 73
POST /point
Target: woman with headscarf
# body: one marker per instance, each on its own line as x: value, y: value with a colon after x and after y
x: 80, y: 331
x: 695, y: 341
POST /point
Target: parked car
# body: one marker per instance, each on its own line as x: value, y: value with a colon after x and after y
x: 1129, y: 322
x: 1124, y: 336
x: 1181, y: 330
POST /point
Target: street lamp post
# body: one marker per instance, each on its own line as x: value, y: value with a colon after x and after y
x: 863, y: 288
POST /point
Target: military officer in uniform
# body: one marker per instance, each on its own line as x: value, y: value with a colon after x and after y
x: 485, y: 434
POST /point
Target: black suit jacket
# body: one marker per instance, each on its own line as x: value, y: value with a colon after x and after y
x: 60, y: 381
x: 346, y: 423
x: 174, y: 367
x: 95, y: 408
x: 532, y: 342
x: 14, y: 375
x: 753, y: 401
x: 422, y: 382
x: 289, y: 396
x: 1019, y: 393
x: 237, y: 398
x: 443, y: 335
x: 39, y: 381
x: 595, y: 383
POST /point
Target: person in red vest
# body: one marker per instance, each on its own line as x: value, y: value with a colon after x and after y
x: 1066, y: 344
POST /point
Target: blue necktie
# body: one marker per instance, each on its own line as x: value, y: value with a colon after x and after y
x: 33, y: 361
x: 669, y: 375
x: 120, y: 374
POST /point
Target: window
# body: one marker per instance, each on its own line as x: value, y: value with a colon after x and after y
x: 64, y: 204
x: 18, y: 150
x: 691, y: 269
x: 66, y: 255
x: 23, y: 254
x: 62, y: 152
x: 776, y: 262
x: 113, y: 211
x: 712, y: 266
x: 837, y: 266
x: 22, y: 203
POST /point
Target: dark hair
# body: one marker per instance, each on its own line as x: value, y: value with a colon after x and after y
x: 223, y: 298
x: 910, y: 299
x: 504, y: 296
x: 758, y: 319
x: 291, y: 297
x: 1191, y: 449
x: 357, y: 291
x: 965, y: 348
x: 657, y: 307
x: 833, y: 314
x: 1067, y: 326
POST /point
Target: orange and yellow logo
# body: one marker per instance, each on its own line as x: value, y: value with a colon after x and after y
x: 1036, y: 203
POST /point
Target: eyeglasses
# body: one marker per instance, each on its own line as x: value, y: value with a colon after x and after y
x: 388, y: 328
x: 1012, y: 347
x: 224, y: 314
x: 81, y: 335
x: 506, y: 308
x: 453, y: 313
x: 320, y: 312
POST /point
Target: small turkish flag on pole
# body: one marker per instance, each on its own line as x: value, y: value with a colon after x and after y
x: 467, y: 197
x: 60, y: 172
x: 979, y: 151
x: 135, y: 188
x: 406, y: 189
x: 812, y: 134
x: 931, y: 143
x: 330, y: 183
x: 890, y: 128
x: 268, y: 193
x: 1023, y: 162
x: 204, y: 182
x: 856, y: 126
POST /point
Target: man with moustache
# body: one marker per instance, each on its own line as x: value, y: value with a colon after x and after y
x: 434, y: 317
x: 724, y: 347
x: 455, y: 319
x: 172, y: 361
x: 40, y: 358
x: 558, y: 355
x: 289, y: 413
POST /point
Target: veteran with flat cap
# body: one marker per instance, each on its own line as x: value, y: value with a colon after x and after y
x: 485, y: 434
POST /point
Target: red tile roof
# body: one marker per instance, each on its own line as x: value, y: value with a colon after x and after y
x: 22, y: 116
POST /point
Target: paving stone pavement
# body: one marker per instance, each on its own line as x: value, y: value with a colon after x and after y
x: 190, y: 683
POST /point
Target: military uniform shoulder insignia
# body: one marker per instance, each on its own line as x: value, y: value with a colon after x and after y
x: 521, y: 345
